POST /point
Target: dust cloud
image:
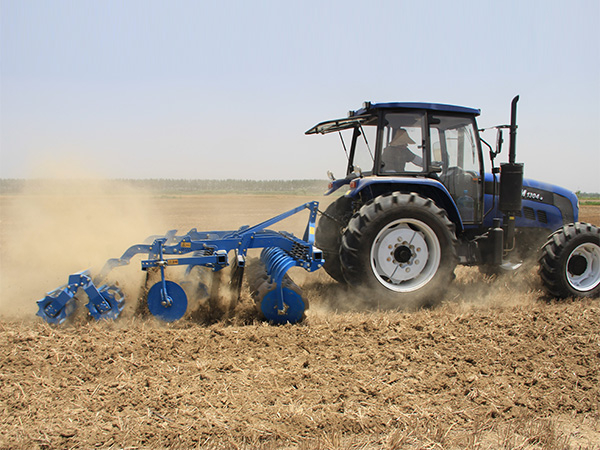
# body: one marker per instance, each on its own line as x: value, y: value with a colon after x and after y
x: 59, y: 226
x: 470, y: 290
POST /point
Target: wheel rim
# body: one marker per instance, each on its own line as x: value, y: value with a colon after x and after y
x: 583, y: 267
x: 405, y: 255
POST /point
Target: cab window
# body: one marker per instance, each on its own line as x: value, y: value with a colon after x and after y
x: 402, y: 143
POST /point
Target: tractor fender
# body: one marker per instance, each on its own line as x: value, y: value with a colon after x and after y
x: 368, y: 188
x: 337, y: 184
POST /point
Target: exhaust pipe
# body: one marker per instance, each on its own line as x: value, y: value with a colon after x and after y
x: 512, y: 151
x: 511, y: 181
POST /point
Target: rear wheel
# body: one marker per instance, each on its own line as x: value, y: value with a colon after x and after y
x: 570, y: 261
x: 402, y: 248
x: 328, y: 236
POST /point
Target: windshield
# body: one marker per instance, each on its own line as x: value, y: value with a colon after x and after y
x: 362, y: 154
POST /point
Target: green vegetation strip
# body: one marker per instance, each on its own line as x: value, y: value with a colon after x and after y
x: 164, y: 186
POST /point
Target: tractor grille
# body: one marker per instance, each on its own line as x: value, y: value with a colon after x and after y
x: 542, y: 216
x: 529, y: 213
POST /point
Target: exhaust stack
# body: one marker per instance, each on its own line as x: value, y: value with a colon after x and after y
x: 511, y: 181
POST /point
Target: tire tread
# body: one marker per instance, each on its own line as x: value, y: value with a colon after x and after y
x: 553, y: 257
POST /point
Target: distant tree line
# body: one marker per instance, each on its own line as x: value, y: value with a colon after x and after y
x: 228, y: 186
x: 174, y: 186
x: 169, y: 186
x: 587, y: 195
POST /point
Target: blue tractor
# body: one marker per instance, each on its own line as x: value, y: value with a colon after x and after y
x: 419, y: 201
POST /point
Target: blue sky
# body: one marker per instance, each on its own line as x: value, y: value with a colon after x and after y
x: 196, y: 89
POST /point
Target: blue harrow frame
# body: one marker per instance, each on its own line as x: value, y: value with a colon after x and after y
x: 279, y: 301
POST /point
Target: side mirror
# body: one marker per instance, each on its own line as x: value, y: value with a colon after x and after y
x: 499, y: 141
x: 435, y: 167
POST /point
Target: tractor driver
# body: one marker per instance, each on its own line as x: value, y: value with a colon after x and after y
x: 396, y: 154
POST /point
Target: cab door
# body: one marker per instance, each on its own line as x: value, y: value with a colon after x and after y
x: 454, y: 148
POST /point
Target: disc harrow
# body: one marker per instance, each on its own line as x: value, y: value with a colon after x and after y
x: 277, y: 297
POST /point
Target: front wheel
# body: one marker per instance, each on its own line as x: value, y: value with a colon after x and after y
x: 401, y: 247
x: 570, y: 261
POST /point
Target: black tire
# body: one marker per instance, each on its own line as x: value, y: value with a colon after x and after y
x: 402, y: 249
x: 328, y: 236
x: 570, y: 261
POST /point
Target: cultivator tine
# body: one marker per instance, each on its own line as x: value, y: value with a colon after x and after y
x: 235, y: 283
x: 214, y: 297
x: 215, y: 286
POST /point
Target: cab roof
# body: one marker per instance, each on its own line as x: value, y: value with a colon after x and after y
x: 367, y: 106
x: 366, y: 113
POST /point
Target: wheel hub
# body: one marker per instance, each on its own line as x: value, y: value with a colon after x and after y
x: 577, y: 265
x: 405, y: 255
x: 583, y: 267
x: 402, y: 254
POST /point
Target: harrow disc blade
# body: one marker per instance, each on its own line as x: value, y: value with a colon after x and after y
x: 269, y: 299
x: 293, y: 306
x: 172, y: 307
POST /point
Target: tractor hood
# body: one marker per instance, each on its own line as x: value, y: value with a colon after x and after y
x: 540, y: 195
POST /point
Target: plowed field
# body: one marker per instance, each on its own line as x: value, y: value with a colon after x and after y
x: 496, y: 365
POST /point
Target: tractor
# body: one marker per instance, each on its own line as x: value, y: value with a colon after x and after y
x: 419, y: 201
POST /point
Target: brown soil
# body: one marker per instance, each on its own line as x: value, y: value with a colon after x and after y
x: 496, y: 365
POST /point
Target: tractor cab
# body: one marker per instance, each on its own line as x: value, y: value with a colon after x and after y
x: 419, y: 202
x: 436, y: 150
x: 434, y: 145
